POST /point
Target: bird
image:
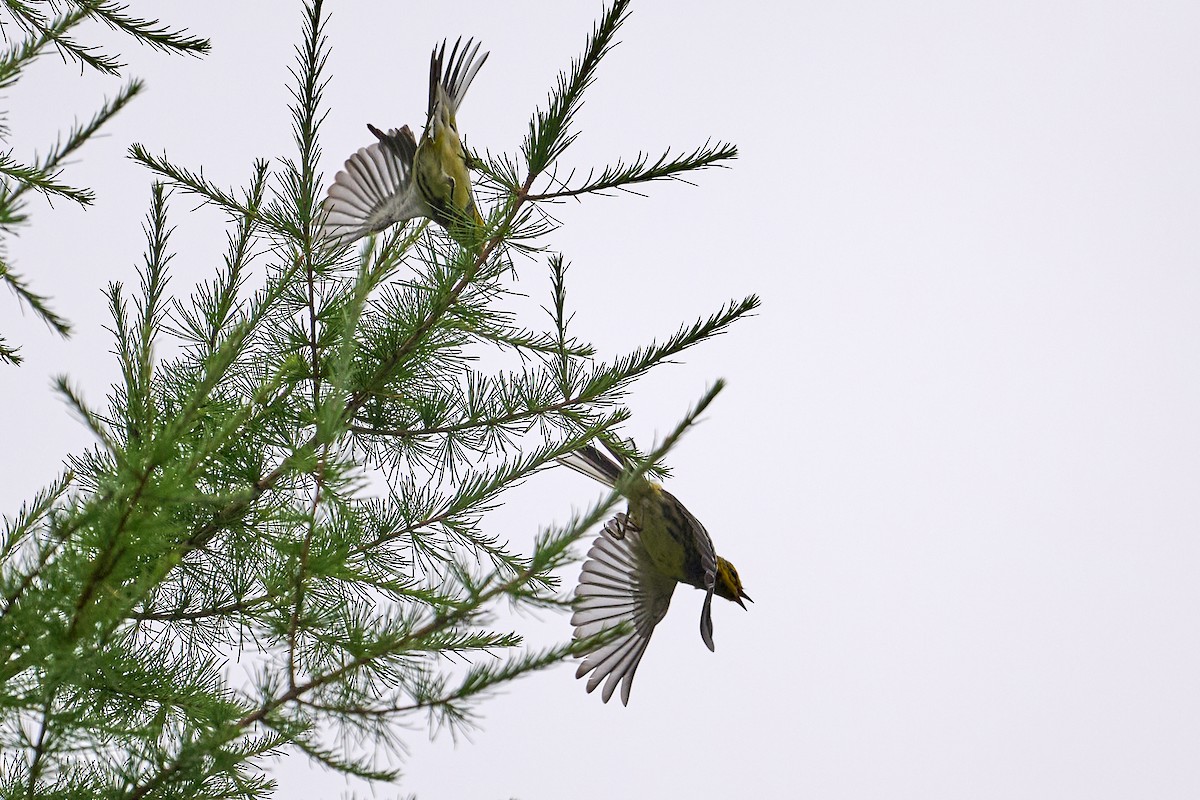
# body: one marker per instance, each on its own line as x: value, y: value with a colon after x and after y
x: 631, y: 571
x: 397, y: 178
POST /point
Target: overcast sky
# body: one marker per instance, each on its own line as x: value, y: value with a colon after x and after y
x: 958, y: 457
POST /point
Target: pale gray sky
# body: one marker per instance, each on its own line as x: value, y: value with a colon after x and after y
x: 957, y: 460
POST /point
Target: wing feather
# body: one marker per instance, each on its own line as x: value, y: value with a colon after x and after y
x: 374, y: 190
x: 618, y: 586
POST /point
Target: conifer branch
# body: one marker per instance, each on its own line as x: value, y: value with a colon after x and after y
x: 666, y: 167
x: 192, y: 182
x: 79, y: 134
x: 550, y: 131
x: 16, y: 177
x: 37, y: 302
x: 233, y: 494
x: 148, y: 32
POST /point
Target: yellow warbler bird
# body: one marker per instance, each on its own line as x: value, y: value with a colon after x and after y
x: 632, y: 569
x: 396, y: 178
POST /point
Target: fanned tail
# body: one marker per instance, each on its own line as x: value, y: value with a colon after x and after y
x: 449, y: 78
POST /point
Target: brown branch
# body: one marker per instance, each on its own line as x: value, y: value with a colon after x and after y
x: 301, y: 569
x: 180, y: 615
x: 494, y: 422
x: 106, y: 564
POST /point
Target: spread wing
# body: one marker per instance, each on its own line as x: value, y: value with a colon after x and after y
x: 618, y: 585
x: 375, y: 189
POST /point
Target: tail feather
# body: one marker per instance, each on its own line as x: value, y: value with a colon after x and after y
x: 591, y: 462
x: 449, y: 78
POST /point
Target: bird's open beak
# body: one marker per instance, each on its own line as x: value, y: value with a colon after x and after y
x: 744, y: 597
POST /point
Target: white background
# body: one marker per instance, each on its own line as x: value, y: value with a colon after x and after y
x: 957, y: 460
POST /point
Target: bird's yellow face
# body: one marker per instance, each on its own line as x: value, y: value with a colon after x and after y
x: 729, y: 585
